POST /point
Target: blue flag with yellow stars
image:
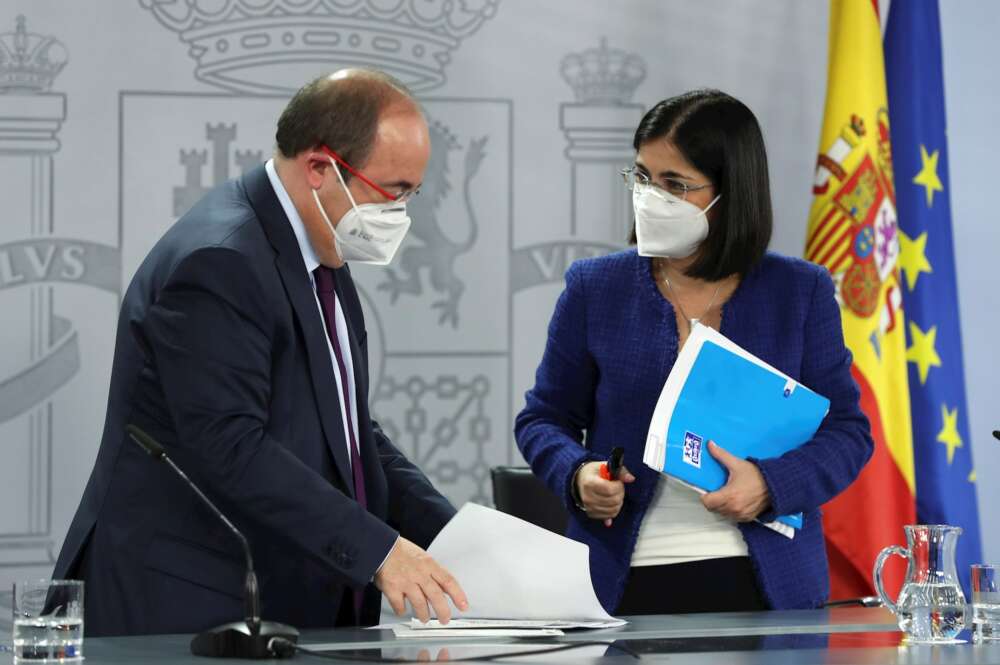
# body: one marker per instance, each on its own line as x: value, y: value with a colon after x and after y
x: 942, y: 450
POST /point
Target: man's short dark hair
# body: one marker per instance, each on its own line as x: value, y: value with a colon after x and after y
x: 341, y: 113
x: 720, y: 137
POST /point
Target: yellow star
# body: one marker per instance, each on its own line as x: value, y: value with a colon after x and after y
x: 913, y: 257
x: 972, y: 476
x: 928, y: 176
x: 949, y: 431
x: 922, y: 351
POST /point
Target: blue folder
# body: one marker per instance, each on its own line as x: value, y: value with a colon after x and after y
x: 748, y: 409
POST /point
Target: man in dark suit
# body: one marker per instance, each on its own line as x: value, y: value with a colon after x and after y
x: 241, y: 347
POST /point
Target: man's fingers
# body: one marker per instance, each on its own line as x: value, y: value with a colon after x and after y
x: 418, y: 602
x: 396, y: 602
x: 451, y: 587
x: 625, y: 475
x: 437, y: 599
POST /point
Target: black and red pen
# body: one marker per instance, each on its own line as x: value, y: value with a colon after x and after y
x: 610, y: 470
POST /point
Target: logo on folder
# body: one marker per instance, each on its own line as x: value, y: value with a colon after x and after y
x: 692, y: 449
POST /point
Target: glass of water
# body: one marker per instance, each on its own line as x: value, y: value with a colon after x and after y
x: 48, y: 621
x: 985, y: 603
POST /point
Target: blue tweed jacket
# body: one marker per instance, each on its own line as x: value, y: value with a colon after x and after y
x: 612, y: 341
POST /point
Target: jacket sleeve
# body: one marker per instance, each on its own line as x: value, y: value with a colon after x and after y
x: 559, y: 408
x: 807, y: 477
x: 416, y: 508
x: 209, y: 337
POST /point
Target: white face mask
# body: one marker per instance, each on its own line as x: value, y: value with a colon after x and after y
x: 367, y: 233
x: 667, y: 226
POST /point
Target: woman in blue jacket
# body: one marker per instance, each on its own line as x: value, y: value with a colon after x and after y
x: 702, y: 225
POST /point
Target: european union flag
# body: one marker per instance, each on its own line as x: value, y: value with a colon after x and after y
x: 942, y: 450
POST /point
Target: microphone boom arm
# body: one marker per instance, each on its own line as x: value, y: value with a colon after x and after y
x: 226, y: 641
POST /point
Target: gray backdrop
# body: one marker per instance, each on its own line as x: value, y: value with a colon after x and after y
x: 115, y: 115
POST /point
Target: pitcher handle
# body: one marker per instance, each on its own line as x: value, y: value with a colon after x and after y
x: 877, y: 573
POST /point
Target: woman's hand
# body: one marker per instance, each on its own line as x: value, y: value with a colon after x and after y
x: 602, y: 499
x: 745, y: 495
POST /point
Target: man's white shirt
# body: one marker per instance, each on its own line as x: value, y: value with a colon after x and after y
x: 312, y: 262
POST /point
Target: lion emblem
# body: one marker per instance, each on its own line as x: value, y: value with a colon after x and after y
x: 436, y: 252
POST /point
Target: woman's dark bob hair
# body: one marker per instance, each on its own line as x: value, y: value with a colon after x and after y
x: 720, y: 137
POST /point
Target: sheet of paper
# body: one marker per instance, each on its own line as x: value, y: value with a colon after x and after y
x: 510, y: 653
x: 474, y: 624
x: 511, y: 569
x: 406, y: 630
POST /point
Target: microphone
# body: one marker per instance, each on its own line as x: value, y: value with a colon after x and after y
x: 250, y: 638
x: 996, y: 434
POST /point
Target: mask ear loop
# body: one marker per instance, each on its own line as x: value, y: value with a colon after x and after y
x: 714, y: 201
x: 322, y: 210
x: 340, y: 177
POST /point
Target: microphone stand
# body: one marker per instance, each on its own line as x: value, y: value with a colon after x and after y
x: 250, y: 638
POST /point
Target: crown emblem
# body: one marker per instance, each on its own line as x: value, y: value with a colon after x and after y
x: 602, y: 75
x: 272, y: 46
x: 29, y: 63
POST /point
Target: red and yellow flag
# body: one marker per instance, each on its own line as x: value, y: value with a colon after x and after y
x: 853, y: 233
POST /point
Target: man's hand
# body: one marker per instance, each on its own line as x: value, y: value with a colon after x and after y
x: 744, y: 496
x: 409, y: 573
x: 602, y: 499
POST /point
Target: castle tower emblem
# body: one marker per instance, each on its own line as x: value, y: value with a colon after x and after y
x: 599, y: 127
x: 41, y: 354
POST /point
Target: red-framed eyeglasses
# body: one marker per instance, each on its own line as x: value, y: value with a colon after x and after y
x: 398, y: 198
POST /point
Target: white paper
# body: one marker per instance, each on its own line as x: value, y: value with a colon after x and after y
x: 474, y: 624
x: 407, y: 630
x: 511, y: 569
x: 468, y: 650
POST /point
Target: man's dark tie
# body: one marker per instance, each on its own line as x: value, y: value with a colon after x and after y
x: 325, y: 282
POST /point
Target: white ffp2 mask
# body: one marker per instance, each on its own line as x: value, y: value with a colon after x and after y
x: 667, y: 226
x: 367, y: 233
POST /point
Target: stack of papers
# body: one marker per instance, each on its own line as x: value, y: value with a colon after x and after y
x: 517, y: 577
x: 475, y: 628
x: 718, y: 391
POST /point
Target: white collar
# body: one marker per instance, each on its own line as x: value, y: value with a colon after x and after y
x: 298, y: 226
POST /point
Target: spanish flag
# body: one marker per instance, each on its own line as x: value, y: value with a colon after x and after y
x: 854, y: 234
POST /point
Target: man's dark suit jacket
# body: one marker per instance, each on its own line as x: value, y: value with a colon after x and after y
x: 222, y: 356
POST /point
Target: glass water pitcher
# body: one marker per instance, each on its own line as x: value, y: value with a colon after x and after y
x: 931, y: 606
